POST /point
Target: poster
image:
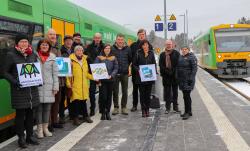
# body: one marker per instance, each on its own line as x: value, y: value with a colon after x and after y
x: 29, y: 74
x: 147, y: 72
x: 64, y: 66
x: 99, y: 71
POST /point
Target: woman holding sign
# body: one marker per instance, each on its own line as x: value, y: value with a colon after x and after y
x: 106, y: 86
x: 24, y: 98
x: 142, y: 63
x: 78, y: 84
x: 49, y: 89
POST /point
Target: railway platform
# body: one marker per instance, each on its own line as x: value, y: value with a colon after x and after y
x: 220, y: 122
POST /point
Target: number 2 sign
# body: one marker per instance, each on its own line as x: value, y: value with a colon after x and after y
x: 172, y: 26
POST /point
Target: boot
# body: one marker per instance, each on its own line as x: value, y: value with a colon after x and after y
x: 103, y: 117
x: 76, y: 121
x: 88, y: 119
x: 40, y: 131
x: 32, y: 140
x: 21, y: 142
x: 185, y: 116
x: 46, y: 131
x: 108, y: 116
x: 176, y: 109
x: 115, y: 111
x: 92, y: 112
x: 124, y: 111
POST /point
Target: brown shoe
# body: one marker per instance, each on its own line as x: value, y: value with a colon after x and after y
x: 76, y: 121
x: 124, y: 111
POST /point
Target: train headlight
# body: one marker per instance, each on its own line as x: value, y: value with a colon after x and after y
x: 219, y: 56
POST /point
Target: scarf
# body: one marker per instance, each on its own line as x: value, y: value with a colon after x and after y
x: 43, y: 55
x: 168, y: 59
x: 24, y: 52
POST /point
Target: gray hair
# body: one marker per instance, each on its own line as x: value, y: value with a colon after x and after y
x: 78, y: 47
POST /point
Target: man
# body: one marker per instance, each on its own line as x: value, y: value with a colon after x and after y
x: 168, y: 65
x: 76, y: 40
x: 51, y: 36
x: 66, y: 51
x: 93, y: 50
x: 141, y: 34
x: 124, y: 58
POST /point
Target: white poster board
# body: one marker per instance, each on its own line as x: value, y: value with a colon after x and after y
x: 99, y: 71
x: 64, y: 66
x: 29, y: 74
x: 148, y: 72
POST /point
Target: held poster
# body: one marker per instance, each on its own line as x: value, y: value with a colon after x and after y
x: 29, y: 74
x: 99, y: 71
x: 64, y: 66
x: 148, y: 72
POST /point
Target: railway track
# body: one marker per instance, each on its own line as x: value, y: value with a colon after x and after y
x: 241, y: 86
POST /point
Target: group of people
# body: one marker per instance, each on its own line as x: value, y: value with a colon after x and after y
x: 47, y: 101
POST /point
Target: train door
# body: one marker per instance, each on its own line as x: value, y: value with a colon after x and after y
x: 62, y: 28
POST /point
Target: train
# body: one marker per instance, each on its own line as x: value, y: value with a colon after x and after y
x: 224, y: 50
x: 34, y: 18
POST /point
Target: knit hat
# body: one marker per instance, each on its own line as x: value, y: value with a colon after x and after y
x: 76, y: 34
x: 184, y: 46
x: 20, y: 37
x: 67, y: 37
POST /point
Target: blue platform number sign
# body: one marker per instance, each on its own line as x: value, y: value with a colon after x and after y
x: 172, y: 26
x: 158, y: 26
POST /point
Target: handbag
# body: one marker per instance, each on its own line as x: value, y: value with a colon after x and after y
x: 154, y: 102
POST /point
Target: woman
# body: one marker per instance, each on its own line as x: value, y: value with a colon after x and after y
x: 107, y: 84
x: 144, y: 56
x: 78, y: 84
x: 24, y: 100
x: 49, y: 89
x: 186, y: 71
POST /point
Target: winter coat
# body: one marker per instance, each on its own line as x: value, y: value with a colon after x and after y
x: 124, y: 58
x: 169, y: 75
x: 92, y: 51
x: 21, y: 98
x: 186, y: 71
x: 134, y: 48
x: 140, y: 59
x: 79, y: 82
x: 65, y: 53
x: 50, y: 79
x: 111, y: 64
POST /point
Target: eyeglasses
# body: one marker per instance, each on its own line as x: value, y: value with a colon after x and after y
x: 44, y: 44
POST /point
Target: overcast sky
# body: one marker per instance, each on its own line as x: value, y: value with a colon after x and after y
x: 202, y: 14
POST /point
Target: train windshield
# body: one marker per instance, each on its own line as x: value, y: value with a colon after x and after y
x: 233, y: 40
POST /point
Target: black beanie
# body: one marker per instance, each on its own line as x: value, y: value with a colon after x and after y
x: 20, y: 37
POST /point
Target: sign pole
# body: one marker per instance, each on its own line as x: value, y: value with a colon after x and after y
x: 165, y: 20
x: 187, y: 25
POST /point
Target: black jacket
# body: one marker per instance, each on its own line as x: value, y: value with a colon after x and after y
x: 169, y: 75
x: 92, y: 51
x: 186, y: 71
x: 65, y: 53
x: 134, y: 48
x: 21, y: 98
x: 140, y: 59
x: 124, y: 58
x: 76, y: 44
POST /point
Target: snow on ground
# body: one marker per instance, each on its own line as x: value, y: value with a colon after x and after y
x: 243, y: 87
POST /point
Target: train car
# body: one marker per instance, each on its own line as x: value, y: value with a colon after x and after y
x: 34, y: 18
x: 225, y: 50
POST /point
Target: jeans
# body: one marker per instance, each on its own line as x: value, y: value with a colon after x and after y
x: 170, y: 95
x: 124, y: 82
x: 92, y: 90
x: 187, y: 101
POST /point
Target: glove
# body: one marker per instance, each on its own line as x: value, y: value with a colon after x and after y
x: 189, y: 82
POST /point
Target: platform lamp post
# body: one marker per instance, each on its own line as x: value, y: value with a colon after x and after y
x: 184, y: 16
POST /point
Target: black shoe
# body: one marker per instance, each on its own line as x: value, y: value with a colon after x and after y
x: 21, y: 142
x: 92, y: 112
x: 176, y: 109
x: 103, y: 117
x: 190, y: 113
x: 167, y: 111
x: 108, y: 116
x: 88, y: 120
x: 182, y: 115
x: 133, y: 109
x: 57, y: 125
x: 186, y: 116
x: 62, y: 120
x: 76, y: 121
x: 32, y: 140
x: 51, y: 128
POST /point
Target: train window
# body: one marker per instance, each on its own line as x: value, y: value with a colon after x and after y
x: 38, y: 35
x: 88, y: 26
x: 233, y: 41
x: 6, y: 42
x: 14, y: 27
